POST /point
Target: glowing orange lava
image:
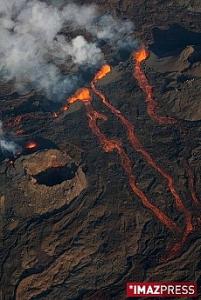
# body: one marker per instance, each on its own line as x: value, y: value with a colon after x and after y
x: 141, y: 55
x: 110, y: 145
x: 31, y: 145
x: 137, y: 146
x: 102, y: 72
x: 81, y: 94
x: 139, y: 74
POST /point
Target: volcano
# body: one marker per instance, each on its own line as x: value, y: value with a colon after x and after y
x: 106, y: 186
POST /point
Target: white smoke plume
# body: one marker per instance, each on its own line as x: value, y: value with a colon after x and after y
x: 31, y: 42
x: 118, y: 33
x: 5, y: 144
x: 81, y: 51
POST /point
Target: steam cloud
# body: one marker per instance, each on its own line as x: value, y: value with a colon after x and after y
x: 31, y: 42
x: 114, y: 31
x: 5, y: 144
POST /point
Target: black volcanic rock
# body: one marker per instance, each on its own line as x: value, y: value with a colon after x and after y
x: 178, y: 84
x: 71, y: 226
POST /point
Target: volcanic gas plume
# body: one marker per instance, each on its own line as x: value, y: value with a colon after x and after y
x: 34, y: 47
x: 33, y: 43
x: 7, y: 145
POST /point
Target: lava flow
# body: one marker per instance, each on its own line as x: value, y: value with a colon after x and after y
x: 139, y: 57
x: 110, y: 145
x: 137, y: 146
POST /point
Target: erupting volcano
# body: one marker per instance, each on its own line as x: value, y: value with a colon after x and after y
x: 84, y: 95
x: 100, y: 155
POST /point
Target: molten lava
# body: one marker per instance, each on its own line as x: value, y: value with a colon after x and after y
x: 115, y: 145
x: 110, y: 145
x: 102, y: 72
x: 31, y: 145
x: 80, y: 95
x: 137, y: 146
x: 139, y: 57
x: 139, y: 74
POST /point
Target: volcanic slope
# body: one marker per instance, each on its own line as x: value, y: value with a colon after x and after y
x: 87, y: 246
x: 106, y: 208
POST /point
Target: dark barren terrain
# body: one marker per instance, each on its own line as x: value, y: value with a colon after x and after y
x: 71, y: 226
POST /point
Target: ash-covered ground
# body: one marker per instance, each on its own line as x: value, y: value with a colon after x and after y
x: 71, y: 226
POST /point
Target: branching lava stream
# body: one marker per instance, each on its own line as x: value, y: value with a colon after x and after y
x: 137, y: 146
x: 110, y: 145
